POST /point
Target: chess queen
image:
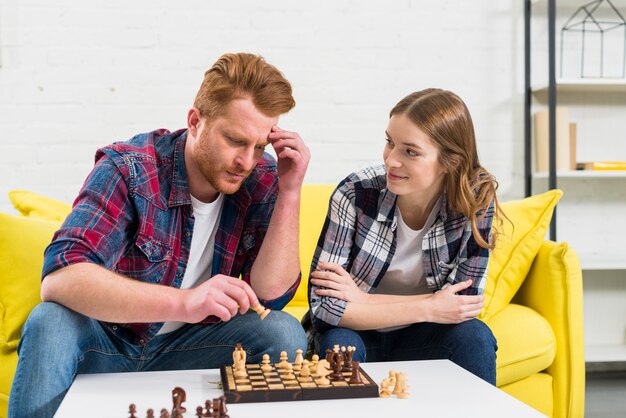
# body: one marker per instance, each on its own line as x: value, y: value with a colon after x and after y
x: 400, y: 266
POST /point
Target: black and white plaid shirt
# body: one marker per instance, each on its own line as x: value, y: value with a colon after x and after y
x: 360, y: 235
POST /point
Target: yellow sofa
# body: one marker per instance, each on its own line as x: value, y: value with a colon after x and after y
x: 533, y: 302
x: 533, y: 296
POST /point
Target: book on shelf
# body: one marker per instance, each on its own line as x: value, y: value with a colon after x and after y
x: 565, y: 141
x: 602, y: 165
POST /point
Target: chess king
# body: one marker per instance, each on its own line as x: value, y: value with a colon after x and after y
x: 144, y: 272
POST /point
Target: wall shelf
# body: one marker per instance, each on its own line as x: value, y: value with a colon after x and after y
x: 584, y: 174
x: 605, y: 353
x: 582, y: 85
x: 598, y: 264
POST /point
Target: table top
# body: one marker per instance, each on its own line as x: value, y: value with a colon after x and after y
x: 437, y: 388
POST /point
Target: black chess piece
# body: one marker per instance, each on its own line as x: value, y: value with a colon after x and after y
x: 355, y: 379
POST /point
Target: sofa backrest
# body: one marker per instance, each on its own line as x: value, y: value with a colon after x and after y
x: 313, y: 208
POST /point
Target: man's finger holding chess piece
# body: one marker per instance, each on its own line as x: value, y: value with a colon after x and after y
x: 261, y: 310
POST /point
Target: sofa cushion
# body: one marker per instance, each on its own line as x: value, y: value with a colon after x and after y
x: 526, y: 343
x: 22, y: 243
x: 536, y: 390
x: 517, y: 243
x: 38, y: 206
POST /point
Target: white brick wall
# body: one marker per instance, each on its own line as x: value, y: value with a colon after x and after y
x: 78, y: 75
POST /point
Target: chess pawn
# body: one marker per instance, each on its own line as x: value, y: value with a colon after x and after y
x: 288, y: 368
x: 298, y: 361
x: 314, y: 361
x: 283, y: 360
x: 199, y: 413
x: 305, y: 371
x: 164, y: 413
x: 132, y: 409
x: 265, y: 364
x: 384, y: 388
x: 150, y: 413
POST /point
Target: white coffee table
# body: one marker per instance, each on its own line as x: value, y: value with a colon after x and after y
x: 438, y: 388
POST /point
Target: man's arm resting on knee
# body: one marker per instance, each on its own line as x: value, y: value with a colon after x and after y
x: 96, y: 292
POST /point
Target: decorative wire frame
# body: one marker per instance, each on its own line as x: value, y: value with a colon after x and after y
x: 587, y: 11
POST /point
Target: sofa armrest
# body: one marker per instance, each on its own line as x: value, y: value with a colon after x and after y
x: 553, y: 288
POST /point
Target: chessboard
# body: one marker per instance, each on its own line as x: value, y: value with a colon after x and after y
x: 259, y: 386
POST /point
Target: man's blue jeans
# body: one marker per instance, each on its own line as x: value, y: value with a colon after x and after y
x: 469, y: 344
x: 58, y: 343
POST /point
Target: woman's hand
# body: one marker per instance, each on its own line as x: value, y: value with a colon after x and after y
x: 335, y: 282
x: 446, y: 307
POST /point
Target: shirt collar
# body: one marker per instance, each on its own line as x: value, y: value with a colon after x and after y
x: 387, y: 207
x: 180, y: 194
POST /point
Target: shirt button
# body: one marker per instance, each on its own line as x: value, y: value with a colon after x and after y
x: 141, y: 342
x: 114, y: 327
x: 187, y: 234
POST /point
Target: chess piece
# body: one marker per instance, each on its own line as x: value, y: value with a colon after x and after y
x: 392, y: 379
x: 261, y: 310
x: 150, y: 413
x: 305, y: 371
x: 239, y: 361
x: 384, y: 388
x: 356, y: 375
x: 178, y: 397
x: 297, y: 366
x: 401, y: 389
x: 164, y: 413
x: 314, y: 360
x: 329, y: 355
x: 207, y: 408
x: 322, y: 371
x: 199, y: 413
x: 222, y: 407
x: 132, y: 409
x: 347, y: 360
x: 288, y: 368
x: 265, y: 364
x: 283, y: 361
x: 336, y: 364
x: 397, y: 388
x: 216, y: 408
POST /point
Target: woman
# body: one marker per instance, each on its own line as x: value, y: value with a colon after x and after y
x: 400, y: 266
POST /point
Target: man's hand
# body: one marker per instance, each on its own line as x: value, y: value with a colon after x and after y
x: 338, y: 283
x: 446, y: 307
x: 293, y: 158
x: 221, y: 296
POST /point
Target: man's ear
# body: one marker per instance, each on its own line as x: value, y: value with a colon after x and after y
x: 193, y: 121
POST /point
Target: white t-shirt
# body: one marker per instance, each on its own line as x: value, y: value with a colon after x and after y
x: 207, y: 216
x: 405, y: 275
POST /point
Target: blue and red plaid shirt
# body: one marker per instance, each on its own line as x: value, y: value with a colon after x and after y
x: 134, y: 217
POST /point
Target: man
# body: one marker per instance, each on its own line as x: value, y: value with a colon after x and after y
x: 144, y: 273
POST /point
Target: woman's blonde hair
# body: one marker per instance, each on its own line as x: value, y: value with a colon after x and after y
x: 469, y: 187
x: 243, y: 75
